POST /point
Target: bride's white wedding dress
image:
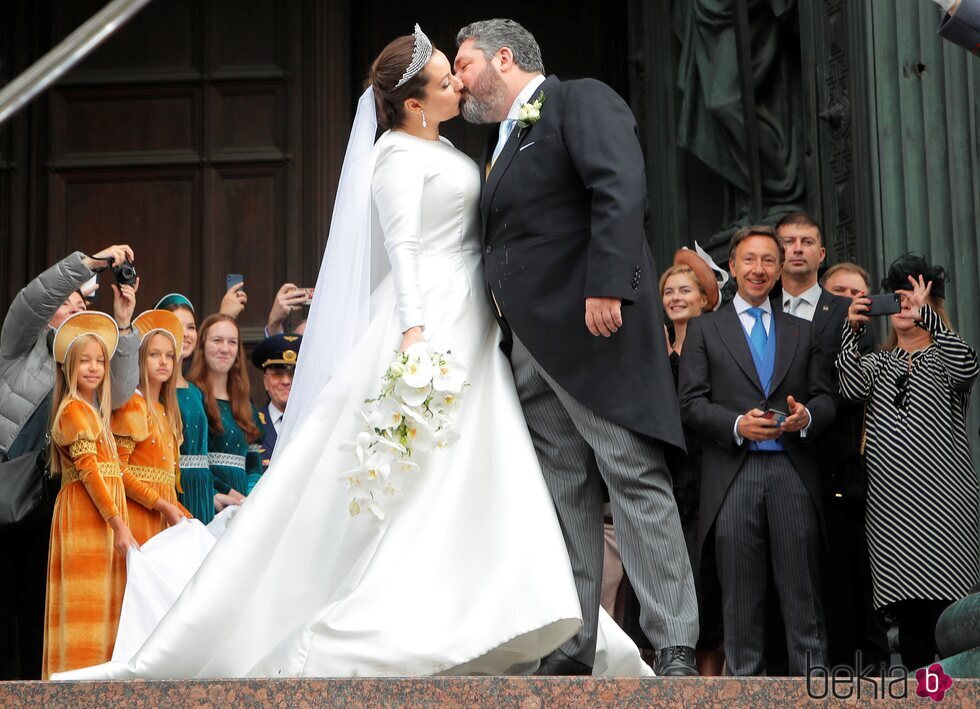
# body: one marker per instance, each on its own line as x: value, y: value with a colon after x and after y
x: 468, y: 573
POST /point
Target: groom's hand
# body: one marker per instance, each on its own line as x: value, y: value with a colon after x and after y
x: 603, y: 316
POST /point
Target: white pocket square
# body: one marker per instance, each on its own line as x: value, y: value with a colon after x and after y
x: 525, y: 147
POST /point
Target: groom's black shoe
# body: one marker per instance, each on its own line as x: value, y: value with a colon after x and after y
x: 558, y: 663
x: 676, y: 661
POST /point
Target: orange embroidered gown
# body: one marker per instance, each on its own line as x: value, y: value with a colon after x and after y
x: 86, y: 577
x: 151, y: 453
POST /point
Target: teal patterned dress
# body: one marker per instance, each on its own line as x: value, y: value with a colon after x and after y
x: 235, y: 463
x: 195, y: 472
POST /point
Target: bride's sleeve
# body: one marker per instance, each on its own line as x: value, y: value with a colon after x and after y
x: 397, y: 190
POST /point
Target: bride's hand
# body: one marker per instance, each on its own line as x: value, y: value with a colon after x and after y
x: 410, y: 337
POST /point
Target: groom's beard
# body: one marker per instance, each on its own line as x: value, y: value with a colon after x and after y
x: 484, y: 102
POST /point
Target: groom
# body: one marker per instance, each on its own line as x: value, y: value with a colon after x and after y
x: 573, y: 283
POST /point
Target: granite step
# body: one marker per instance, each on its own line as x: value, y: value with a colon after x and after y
x: 471, y: 692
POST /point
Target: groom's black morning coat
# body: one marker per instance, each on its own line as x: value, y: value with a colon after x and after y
x: 563, y: 220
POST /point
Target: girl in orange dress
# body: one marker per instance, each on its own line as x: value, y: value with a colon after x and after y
x: 148, y: 429
x: 89, y: 530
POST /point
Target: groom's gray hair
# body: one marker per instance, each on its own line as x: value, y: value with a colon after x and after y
x: 490, y: 35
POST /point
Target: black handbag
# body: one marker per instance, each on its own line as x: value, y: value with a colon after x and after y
x: 27, y: 491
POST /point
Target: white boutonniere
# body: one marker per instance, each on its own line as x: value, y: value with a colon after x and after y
x: 530, y: 113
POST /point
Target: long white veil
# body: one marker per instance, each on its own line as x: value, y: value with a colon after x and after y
x: 353, y: 265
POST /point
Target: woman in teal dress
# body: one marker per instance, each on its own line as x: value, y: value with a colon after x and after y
x: 195, y: 473
x: 234, y: 432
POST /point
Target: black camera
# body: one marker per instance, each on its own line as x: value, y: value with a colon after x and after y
x: 125, y: 273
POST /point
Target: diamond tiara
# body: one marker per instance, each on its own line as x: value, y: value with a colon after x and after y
x: 420, y: 55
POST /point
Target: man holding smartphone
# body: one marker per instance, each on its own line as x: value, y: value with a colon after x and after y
x: 743, y: 366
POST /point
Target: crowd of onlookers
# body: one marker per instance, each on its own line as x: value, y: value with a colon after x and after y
x: 834, y: 520
x: 140, y: 420
x: 828, y: 497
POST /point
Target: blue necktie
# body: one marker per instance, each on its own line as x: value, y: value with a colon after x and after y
x: 758, y: 337
x: 506, y: 126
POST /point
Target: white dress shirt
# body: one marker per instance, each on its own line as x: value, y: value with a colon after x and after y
x: 523, y: 97
x: 748, y: 321
x: 276, y: 416
x: 805, y: 303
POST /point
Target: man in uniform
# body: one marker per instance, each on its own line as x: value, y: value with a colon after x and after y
x: 276, y: 356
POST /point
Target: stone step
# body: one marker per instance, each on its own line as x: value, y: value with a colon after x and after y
x: 449, y: 692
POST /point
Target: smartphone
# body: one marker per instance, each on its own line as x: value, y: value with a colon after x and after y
x: 233, y: 279
x: 884, y: 304
x: 89, y: 288
x: 775, y: 415
x: 309, y: 296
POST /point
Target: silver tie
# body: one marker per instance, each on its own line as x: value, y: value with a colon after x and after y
x: 506, y: 126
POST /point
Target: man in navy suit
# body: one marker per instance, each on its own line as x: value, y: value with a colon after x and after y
x: 276, y: 356
x: 745, y: 367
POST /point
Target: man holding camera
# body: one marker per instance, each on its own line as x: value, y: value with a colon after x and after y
x: 26, y: 382
x: 753, y: 386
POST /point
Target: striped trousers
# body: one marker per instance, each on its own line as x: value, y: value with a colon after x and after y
x: 577, y: 450
x: 767, y: 515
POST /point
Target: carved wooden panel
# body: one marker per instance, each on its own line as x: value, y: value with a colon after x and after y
x: 248, y: 121
x: 107, y: 124
x: 160, y: 43
x: 178, y: 136
x: 247, y: 38
x: 158, y: 212
x: 247, y: 226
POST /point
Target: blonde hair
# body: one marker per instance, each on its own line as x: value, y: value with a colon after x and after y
x: 936, y: 303
x: 66, y: 390
x: 168, y: 390
x: 685, y: 270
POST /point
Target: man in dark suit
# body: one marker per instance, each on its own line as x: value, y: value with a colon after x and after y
x: 276, y: 356
x: 573, y: 282
x: 851, y: 624
x: 760, y: 489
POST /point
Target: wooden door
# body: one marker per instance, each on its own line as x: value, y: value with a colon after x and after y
x: 181, y: 137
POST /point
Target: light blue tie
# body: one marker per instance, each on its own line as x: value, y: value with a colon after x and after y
x: 758, y: 337
x: 506, y: 126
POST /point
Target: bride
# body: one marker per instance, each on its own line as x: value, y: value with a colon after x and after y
x: 467, y: 573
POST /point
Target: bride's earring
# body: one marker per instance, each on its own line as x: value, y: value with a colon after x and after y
x: 424, y: 124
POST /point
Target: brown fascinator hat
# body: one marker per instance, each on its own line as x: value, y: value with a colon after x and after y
x: 702, y: 271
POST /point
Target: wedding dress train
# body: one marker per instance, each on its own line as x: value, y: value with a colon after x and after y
x: 468, y: 572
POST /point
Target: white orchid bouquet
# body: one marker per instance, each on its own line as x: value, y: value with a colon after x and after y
x: 414, y: 413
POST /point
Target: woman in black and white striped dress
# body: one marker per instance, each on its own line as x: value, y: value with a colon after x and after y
x: 922, y: 504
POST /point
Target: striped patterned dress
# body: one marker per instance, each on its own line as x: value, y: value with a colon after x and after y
x: 921, y: 517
